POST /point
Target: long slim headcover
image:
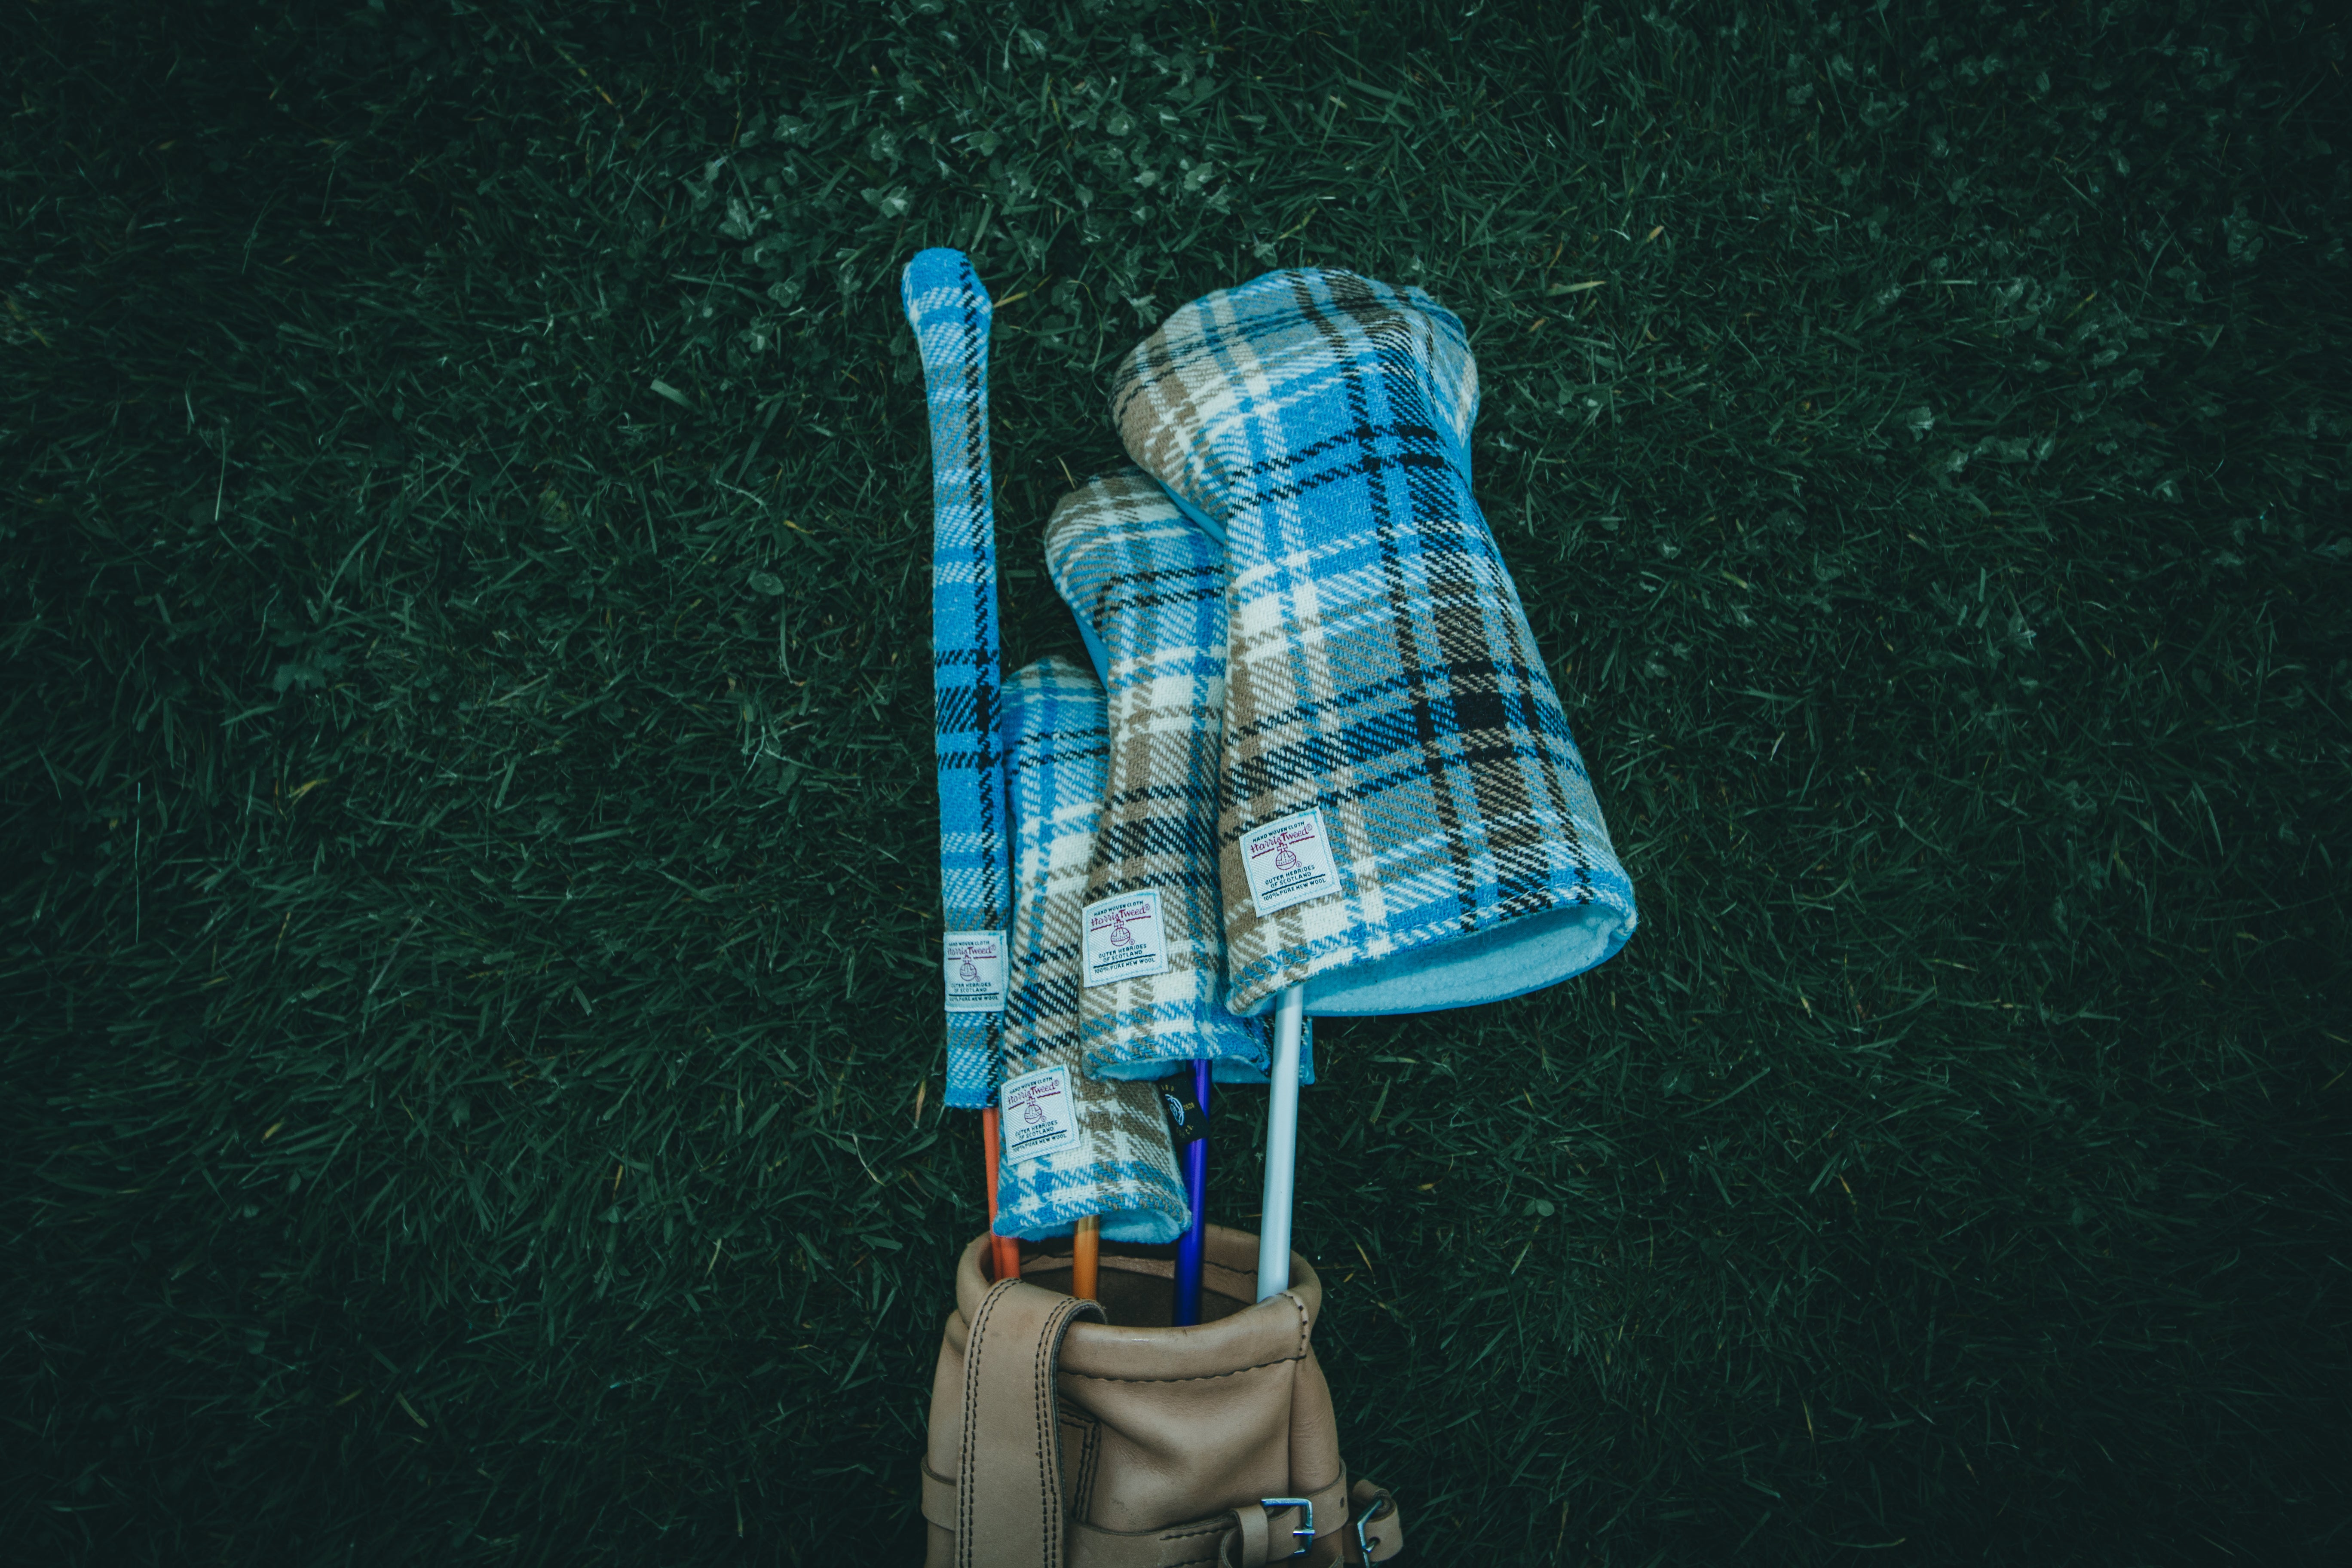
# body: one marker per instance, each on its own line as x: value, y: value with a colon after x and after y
x: 1406, y: 822
x: 1150, y: 589
x: 949, y: 312
x: 1072, y: 1145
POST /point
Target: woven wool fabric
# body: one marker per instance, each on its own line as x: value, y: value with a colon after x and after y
x: 1379, y: 671
x: 949, y: 314
x: 1149, y: 588
x: 1122, y: 1167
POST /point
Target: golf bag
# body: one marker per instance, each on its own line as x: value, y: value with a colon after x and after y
x: 1068, y: 1434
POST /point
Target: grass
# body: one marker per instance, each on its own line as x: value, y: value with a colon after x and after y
x: 471, y: 1053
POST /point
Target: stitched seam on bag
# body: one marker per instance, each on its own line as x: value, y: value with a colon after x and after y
x: 1049, y: 1500
x: 1212, y: 1529
x: 1202, y: 1377
x: 971, y: 1345
x: 1074, y: 1476
x: 972, y: 1386
x: 1091, y: 1446
x: 1049, y: 1422
x: 972, y: 1341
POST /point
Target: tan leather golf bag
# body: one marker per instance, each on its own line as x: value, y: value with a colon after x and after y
x: 1068, y: 1434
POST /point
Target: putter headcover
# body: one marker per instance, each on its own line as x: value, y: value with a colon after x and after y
x: 1149, y: 592
x: 1070, y: 1145
x: 949, y: 314
x: 1406, y: 823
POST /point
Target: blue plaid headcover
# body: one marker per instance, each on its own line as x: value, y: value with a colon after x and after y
x: 1149, y: 588
x: 1380, y: 671
x: 949, y: 312
x: 1121, y: 1166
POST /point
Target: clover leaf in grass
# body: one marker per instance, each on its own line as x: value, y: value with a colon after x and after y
x: 306, y: 672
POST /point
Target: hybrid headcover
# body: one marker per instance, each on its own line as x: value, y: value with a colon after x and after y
x: 1149, y: 592
x: 1071, y: 1145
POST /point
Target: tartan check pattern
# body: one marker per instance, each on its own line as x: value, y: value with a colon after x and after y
x: 1379, y: 664
x: 1151, y: 588
x: 949, y: 314
x: 1124, y: 1168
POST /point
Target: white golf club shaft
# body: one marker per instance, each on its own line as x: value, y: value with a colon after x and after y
x: 1281, y: 1146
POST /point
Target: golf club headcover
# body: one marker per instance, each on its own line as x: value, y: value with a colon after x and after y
x: 1406, y: 823
x: 1070, y: 1145
x: 1149, y: 592
x: 949, y: 314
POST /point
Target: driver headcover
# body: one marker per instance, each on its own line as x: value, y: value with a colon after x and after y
x: 1405, y: 822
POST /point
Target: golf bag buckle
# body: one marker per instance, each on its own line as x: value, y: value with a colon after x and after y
x: 1380, y: 1511
x: 1306, y: 1529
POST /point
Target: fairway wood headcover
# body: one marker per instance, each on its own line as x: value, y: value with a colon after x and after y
x: 1149, y: 592
x: 1406, y: 823
x: 949, y: 312
x: 1072, y: 1145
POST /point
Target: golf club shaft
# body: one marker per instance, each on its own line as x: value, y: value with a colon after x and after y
x: 1196, y: 1194
x: 1085, y: 1259
x: 1281, y: 1146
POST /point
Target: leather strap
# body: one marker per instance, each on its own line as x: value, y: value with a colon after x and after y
x: 938, y: 1499
x: 1247, y: 1537
x: 1373, y: 1518
x: 1009, y: 1477
x: 1225, y: 1538
x: 1251, y: 1548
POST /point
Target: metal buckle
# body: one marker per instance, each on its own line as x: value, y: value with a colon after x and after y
x: 1304, y: 1531
x: 1363, y: 1544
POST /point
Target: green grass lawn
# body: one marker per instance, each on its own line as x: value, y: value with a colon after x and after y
x: 467, y: 954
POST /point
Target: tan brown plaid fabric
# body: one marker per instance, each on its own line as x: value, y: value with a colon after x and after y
x: 1121, y: 1166
x: 1387, y: 715
x: 1151, y: 587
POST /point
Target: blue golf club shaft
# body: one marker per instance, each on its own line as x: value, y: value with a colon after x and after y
x: 1196, y: 1193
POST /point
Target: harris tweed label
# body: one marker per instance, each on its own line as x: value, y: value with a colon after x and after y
x: 974, y: 960
x: 1288, y: 861
x: 1126, y: 939
x: 1038, y: 1117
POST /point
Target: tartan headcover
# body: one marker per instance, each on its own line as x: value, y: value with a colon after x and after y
x: 949, y: 312
x: 1149, y: 591
x: 1121, y: 1164
x: 1381, y: 672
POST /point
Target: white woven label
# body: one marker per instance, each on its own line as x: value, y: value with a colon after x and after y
x: 1289, y: 861
x: 1036, y: 1115
x: 975, y: 970
x: 1126, y: 939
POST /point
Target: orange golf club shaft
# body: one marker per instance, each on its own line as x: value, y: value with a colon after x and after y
x: 1085, y: 1259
